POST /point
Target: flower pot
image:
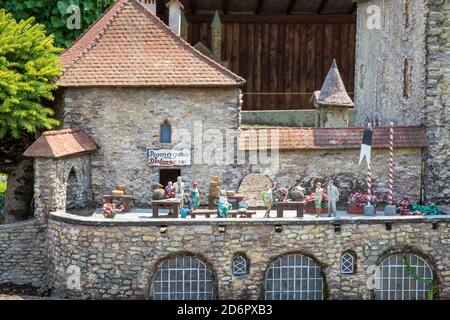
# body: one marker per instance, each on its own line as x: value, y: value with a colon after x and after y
x: 313, y: 210
x: 352, y: 209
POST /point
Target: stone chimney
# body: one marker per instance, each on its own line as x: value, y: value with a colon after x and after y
x: 175, y: 8
x: 150, y: 5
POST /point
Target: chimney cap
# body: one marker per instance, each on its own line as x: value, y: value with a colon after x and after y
x: 216, y: 23
x: 176, y: 2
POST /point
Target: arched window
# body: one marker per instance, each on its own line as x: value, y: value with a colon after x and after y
x: 72, y: 190
x: 403, y: 277
x: 240, y: 265
x: 348, y: 263
x: 183, y: 278
x: 166, y: 132
x: 294, y: 277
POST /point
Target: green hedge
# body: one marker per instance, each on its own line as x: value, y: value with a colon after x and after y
x: 2, y: 197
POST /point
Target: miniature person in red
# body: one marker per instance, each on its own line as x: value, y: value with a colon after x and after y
x: 169, y: 191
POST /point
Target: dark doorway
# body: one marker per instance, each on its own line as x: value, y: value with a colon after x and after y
x: 166, y: 175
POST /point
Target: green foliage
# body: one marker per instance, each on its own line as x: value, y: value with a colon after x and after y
x: 2, y: 196
x: 55, y: 13
x: 431, y: 283
x: 28, y: 64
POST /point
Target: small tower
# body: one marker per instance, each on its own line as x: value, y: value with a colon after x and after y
x: 332, y: 101
x: 175, y: 9
x: 184, y: 27
x: 216, y: 37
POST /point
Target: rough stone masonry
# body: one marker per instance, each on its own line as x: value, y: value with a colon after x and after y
x: 118, y: 260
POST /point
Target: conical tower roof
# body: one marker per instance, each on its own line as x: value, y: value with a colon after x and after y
x: 333, y: 92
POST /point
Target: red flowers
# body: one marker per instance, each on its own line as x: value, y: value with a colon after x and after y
x: 110, y: 209
x: 361, y: 199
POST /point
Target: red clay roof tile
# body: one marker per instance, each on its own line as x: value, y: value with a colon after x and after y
x: 61, y: 143
x: 333, y: 138
x: 129, y: 46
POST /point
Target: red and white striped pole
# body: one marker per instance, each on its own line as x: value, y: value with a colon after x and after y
x: 369, y: 175
x: 391, y: 164
x: 369, y: 183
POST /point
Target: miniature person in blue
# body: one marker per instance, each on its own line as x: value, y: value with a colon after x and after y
x: 224, y: 206
x: 195, y: 196
x: 187, y: 206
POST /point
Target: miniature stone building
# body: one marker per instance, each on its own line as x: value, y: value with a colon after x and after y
x: 332, y: 101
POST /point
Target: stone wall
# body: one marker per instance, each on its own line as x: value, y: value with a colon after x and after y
x: 437, y: 111
x: 380, y: 63
x: 117, y: 260
x: 23, y: 253
x: 126, y: 121
x: 306, y: 167
x: 50, y: 187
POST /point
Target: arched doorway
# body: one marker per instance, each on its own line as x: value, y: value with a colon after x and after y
x: 294, y: 277
x: 252, y: 185
x: 183, y: 277
x: 404, y: 276
x: 72, y: 190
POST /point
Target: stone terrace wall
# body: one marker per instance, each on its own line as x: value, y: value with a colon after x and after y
x: 306, y: 167
x: 126, y: 121
x: 23, y: 253
x: 437, y: 115
x: 118, y: 260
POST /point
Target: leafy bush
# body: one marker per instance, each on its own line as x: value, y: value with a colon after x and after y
x: 55, y: 13
x: 2, y: 197
x: 28, y: 64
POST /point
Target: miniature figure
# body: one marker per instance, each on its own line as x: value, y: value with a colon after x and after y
x: 179, y: 190
x: 195, y: 196
x: 224, y: 206
x: 187, y: 206
x: 333, y: 196
x: 267, y: 197
x: 318, y: 198
x: 243, y: 205
x: 169, y: 191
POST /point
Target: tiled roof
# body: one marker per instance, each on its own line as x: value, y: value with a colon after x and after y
x: 129, y: 46
x: 333, y: 92
x: 334, y: 138
x: 61, y: 143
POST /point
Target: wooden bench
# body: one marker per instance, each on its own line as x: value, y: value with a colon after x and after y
x: 247, y: 213
x: 202, y: 212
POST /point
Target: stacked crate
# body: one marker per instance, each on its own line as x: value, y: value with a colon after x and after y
x: 214, y: 187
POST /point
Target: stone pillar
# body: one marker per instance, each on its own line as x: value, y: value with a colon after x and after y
x: 216, y: 37
x: 49, y: 193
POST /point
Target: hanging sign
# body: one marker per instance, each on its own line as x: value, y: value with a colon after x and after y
x: 168, y: 157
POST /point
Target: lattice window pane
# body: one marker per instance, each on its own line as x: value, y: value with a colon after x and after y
x: 183, y: 278
x: 239, y: 266
x: 347, y: 263
x: 294, y: 277
x: 393, y: 280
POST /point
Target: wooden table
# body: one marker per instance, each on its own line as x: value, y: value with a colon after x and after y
x: 236, y: 198
x: 300, y: 205
x: 173, y: 204
x: 126, y: 199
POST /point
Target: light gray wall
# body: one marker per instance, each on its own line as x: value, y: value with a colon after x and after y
x: 126, y: 121
x: 380, y: 56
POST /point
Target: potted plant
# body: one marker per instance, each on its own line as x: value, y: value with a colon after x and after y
x: 311, y: 207
x: 110, y: 210
x: 357, y: 201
